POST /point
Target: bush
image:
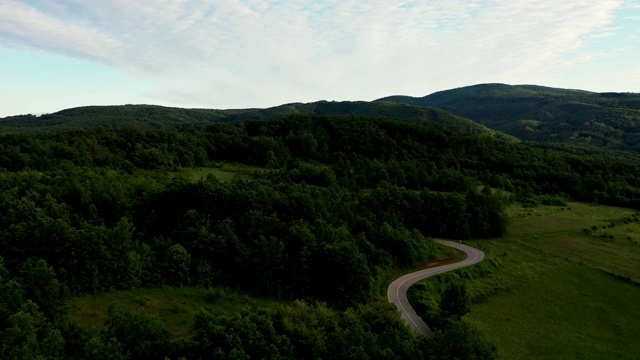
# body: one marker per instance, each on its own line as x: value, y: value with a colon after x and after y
x: 553, y: 200
x: 214, y: 295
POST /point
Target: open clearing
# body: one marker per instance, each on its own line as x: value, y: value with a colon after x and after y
x: 173, y: 306
x: 224, y: 172
x: 565, y: 285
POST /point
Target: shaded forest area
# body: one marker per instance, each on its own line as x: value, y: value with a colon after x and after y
x: 340, y: 200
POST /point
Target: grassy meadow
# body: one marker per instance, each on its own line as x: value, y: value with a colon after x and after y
x: 224, y: 172
x: 563, y: 284
x: 173, y: 306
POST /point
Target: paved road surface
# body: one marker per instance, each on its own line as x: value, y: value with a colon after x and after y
x: 397, y: 292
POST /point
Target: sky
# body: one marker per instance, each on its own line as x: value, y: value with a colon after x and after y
x: 224, y: 54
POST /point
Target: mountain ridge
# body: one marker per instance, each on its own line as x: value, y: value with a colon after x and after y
x: 543, y: 114
x: 534, y: 113
x: 155, y: 116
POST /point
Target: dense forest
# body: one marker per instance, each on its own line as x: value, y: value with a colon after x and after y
x: 335, y: 201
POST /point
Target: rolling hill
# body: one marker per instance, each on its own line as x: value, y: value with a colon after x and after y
x: 157, y: 117
x: 560, y: 118
x: 544, y: 114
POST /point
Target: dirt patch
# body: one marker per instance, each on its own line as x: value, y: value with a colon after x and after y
x: 437, y: 262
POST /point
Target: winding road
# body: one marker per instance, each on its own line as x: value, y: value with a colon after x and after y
x: 397, y: 292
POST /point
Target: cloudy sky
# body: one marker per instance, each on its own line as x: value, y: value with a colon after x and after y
x: 56, y: 54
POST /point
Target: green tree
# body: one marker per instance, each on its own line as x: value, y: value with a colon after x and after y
x: 178, y: 264
x: 98, y: 349
x: 11, y: 295
x: 249, y: 334
x: 41, y: 286
x: 140, y: 335
x: 30, y: 336
x: 458, y: 341
x: 455, y: 300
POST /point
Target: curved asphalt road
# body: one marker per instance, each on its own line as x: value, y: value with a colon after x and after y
x: 397, y: 292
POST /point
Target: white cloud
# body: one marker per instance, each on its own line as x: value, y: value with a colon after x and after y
x: 237, y: 52
x: 632, y: 4
x: 25, y: 26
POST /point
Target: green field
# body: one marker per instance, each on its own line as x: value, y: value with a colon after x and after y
x: 224, y: 172
x: 565, y: 284
x: 173, y: 306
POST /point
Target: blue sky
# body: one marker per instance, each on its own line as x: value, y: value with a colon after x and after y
x: 57, y: 54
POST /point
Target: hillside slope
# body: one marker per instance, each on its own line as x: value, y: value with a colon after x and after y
x: 539, y: 113
x: 157, y: 117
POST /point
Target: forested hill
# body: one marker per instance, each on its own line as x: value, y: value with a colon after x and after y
x: 539, y: 113
x: 391, y: 110
x: 157, y: 117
